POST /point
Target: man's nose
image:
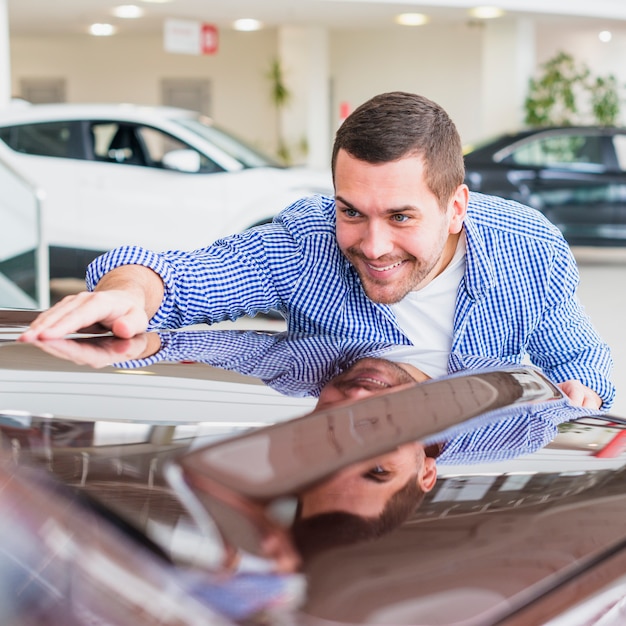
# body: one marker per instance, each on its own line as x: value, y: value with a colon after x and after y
x: 356, y: 392
x: 376, y: 242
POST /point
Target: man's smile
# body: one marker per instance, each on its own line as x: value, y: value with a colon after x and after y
x: 385, y: 268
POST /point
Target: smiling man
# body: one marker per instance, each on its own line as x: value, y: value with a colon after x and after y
x: 402, y: 254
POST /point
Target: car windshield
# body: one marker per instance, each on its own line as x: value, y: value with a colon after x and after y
x: 233, y: 146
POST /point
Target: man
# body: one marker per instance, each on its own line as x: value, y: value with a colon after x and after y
x: 402, y: 254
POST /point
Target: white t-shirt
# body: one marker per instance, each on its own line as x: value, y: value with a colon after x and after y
x: 426, y: 317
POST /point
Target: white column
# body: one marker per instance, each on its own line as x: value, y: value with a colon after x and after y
x: 5, y: 63
x: 304, y: 56
x: 508, y: 63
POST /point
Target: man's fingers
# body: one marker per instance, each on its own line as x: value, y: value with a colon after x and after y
x: 580, y: 395
x: 116, y: 310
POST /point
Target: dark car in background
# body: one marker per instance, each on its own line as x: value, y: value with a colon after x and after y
x: 576, y: 176
x: 227, y: 477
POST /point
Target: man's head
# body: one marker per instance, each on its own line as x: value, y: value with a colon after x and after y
x: 395, y: 125
x: 318, y: 532
x: 399, y: 192
x: 372, y: 497
x: 366, y: 488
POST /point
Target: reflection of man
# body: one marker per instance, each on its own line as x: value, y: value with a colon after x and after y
x: 365, y: 488
x: 363, y: 501
x: 402, y: 254
x: 373, y: 497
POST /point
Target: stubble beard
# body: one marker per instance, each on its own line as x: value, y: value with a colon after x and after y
x: 391, y: 292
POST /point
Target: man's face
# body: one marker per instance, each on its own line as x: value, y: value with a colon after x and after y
x: 390, y: 225
x: 365, y: 488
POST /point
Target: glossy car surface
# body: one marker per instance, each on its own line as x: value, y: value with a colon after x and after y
x: 161, y: 177
x: 576, y: 176
x: 184, y: 478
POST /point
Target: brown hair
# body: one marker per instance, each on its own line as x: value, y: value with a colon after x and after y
x: 397, y: 124
x: 325, y: 531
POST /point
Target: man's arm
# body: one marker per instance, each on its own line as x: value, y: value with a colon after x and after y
x: 566, y: 345
x: 123, y: 301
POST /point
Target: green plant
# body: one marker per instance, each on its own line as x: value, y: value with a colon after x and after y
x: 566, y: 93
x: 280, y: 97
x: 605, y: 100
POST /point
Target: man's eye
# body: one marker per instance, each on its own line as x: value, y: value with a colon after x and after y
x: 351, y: 212
x: 378, y: 474
x: 399, y: 217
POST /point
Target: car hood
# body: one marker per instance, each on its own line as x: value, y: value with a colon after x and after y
x: 207, y: 446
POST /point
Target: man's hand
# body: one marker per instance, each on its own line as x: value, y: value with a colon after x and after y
x: 124, y: 302
x: 580, y: 395
x: 100, y: 352
x: 115, y: 310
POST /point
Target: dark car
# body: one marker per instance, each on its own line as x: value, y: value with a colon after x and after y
x: 576, y: 176
x: 228, y: 477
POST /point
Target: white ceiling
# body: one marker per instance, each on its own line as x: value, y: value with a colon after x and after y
x: 66, y: 17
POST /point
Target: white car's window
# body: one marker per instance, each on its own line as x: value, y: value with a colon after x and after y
x: 619, y: 143
x: 133, y: 144
x: 117, y: 143
x: 570, y: 151
x: 53, y: 139
x: 234, y: 147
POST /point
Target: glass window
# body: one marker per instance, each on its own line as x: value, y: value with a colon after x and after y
x: 158, y: 144
x: 234, y: 147
x: 619, y: 143
x: 139, y: 145
x: 54, y: 139
x: 582, y: 152
x: 117, y: 143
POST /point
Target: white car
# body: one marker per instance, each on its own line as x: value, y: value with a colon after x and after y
x: 161, y: 177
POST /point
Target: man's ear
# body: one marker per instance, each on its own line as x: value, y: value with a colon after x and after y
x: 458, y: 208
x: 427, y: 476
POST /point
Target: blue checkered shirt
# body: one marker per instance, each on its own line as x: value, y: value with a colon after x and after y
x: 517, y: 298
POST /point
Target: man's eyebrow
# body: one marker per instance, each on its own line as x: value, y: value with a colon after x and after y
x: 343, y: 201
x: 409, y: 208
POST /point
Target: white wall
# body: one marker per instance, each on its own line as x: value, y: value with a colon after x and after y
x: 443, y: 64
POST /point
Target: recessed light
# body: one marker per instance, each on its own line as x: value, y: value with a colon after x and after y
x: 605, y: 36
x: 247, y: 24
x: 157, y: 1
x: 102, y: 30
x: 411, y: 19
x: 486, y: 12
x: 128, y: 11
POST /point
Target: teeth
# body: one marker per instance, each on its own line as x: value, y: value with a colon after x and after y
x: 380, y: 383
x: 384, y: 269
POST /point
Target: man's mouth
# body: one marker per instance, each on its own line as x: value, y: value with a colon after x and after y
x: 386, y: 268
x: 367, y: 380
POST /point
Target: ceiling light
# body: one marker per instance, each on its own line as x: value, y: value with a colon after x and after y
x: 157, y: 1
x: 486, y: 12
x: 128, y: 11
x: 102, y: 30
x: 247, y: 24
x: 605, y: 36
x: 411, y: 19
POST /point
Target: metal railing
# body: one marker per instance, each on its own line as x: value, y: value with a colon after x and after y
x: 24, y: 265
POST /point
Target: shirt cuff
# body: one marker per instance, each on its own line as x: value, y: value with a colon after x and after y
x: 135, y: 255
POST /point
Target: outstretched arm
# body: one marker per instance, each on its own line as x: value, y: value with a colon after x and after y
x: 123, y: 301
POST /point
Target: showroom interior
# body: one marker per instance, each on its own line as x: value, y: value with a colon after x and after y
x: 333, y: 54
